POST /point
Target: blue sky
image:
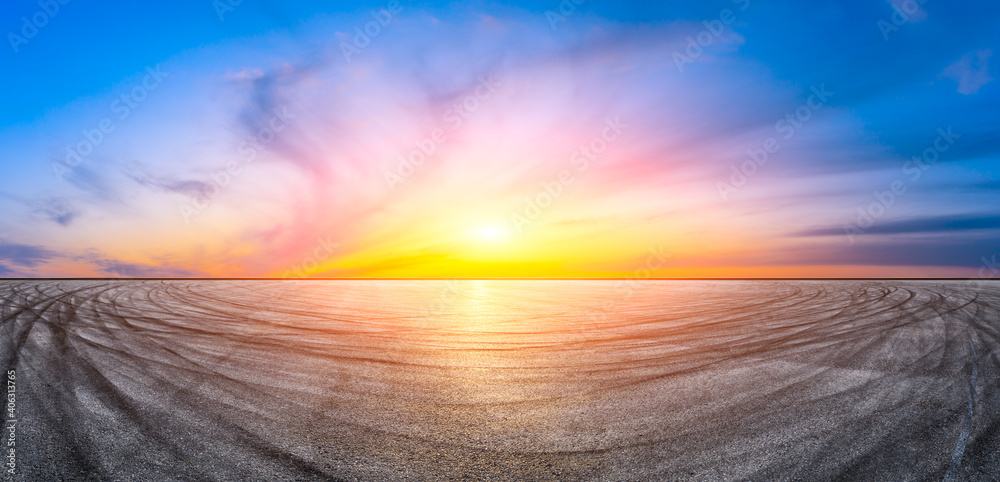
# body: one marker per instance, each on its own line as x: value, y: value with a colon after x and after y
x: 872, y: 88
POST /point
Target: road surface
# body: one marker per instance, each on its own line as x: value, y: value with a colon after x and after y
x: 502, y: 380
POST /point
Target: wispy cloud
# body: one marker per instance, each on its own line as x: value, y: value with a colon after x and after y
x: 110, y: 266
x: 141, y: 175
x: 25, y: 255
x: 59, y: 210
x: 937, y: 224
x: 971, y: 72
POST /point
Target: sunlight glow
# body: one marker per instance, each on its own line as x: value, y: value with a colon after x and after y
x: 492, y: 233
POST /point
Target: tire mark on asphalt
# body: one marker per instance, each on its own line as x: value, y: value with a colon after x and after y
x: 199, y: 329
x: 963, y: 438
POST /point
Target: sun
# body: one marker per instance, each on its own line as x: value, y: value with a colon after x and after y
x: 491, y: 233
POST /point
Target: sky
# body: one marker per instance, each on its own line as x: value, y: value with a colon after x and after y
x: 572, y: 138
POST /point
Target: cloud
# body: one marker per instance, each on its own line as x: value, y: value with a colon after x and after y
x: 13, y: 256
x: 116, y: 268
x: 139, y: 174
x: 932, y: 251
x: 971, y: 72
x: 59, y: 210
x: 269, y: 100
x: 25, y: 255
x: 122, y: 269
x: 92, y: 182
x: 939, y: 224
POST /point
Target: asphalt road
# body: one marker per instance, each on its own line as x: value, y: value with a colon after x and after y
x: 503, y: 380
